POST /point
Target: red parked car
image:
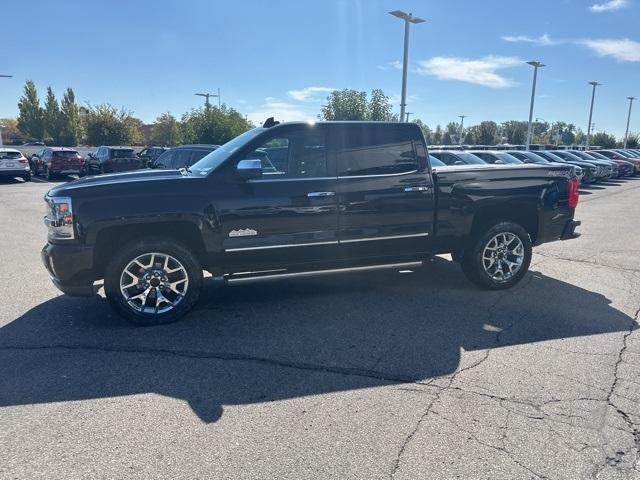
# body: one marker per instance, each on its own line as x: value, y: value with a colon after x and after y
x: 51, y: 161
x: 616, y: 155
x: 113, y: 159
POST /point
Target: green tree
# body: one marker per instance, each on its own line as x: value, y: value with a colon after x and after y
x: 51, y: 117
x: 515, y: 131
x: 468, y: 137
x: 437, y: 135
x: 632, y: 141
x: 166, y: 130
x: 426, y: 131
x: 345, y: 105
x: 70, y: 124
x: 604, y: 140
x: 213, y: 125
x: 379, y: 108
x: 487, y: 133
x: 105, y: 125
x: 579, y: 138
x: 30, y: 121
x: 446, y: 138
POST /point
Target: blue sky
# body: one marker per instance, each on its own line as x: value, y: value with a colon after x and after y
x: 282, y: 57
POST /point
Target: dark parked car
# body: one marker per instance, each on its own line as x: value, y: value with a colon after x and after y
x: 608, y: 168
x: 112, y: 159
x: 348, y: 194
x: 591, y: 172
x: 625, y: 169
x: 496, y: 157
x: 52, y: 161
x: 182, y: 156
x: 149, y: 155
x: 527, y: 156
x: 456, y: 158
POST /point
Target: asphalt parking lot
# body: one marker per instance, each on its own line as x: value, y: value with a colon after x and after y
x: 397, y: 374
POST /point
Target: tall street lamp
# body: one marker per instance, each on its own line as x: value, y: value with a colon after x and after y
x: 626, y: 133
x: 408, y: 19
x: 207, y: 96
x: 593, y: 96
x: 461, y: 117
x: 2, y: 126
x: 536, y: 65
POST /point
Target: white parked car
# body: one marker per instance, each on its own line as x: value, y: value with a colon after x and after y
x: 14, y: 164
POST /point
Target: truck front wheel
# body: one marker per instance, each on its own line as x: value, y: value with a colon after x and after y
x: 499, y: 257
x: 153, y: 282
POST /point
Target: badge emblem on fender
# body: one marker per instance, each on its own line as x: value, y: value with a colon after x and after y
x: 243, y: 232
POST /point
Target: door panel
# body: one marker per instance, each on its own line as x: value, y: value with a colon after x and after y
x: 290, y: 214
x: 383, y: 214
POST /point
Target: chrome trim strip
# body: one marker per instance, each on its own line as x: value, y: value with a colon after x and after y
x: 268, y: 247
x: 392, y: 237
x: 259, y: 278
x: 345, y: 177
x: 288, y: 179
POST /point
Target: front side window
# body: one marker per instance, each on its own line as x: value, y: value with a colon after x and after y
x: 375, y: 150
x: 181, y: 158
x: 164, y: 160
x: 301, y: 154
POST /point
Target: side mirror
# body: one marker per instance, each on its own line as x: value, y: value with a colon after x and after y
x: 35, y: 155
x: 459, y: 162
x: 248, y: 169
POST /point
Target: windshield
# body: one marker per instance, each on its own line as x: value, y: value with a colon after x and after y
x: 506, y: 158
x: 598, y: 156
x: 213, y: 160
x: 550, y: 156
x: 122, y: 153
x: 435, y: 162
x: 470, y: 158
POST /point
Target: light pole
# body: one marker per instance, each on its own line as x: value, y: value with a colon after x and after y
x: 408, y: 19
x: 2, y: 126
x: 207, y: 96
x: 461, y: 117
x: 626, y: 133
x: 593, y: 96
x: 407, y: 114
x: 536, y: 65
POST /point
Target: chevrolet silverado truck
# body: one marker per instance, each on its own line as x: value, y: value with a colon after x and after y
x: 298, y: 197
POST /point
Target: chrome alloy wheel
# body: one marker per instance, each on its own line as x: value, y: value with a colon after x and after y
x: 154, y: 283
x: 502, y: 256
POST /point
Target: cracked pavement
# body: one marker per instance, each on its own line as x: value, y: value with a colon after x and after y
x: 395, y: 374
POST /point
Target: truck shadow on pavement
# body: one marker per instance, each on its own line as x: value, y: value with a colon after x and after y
x: 269, y: 341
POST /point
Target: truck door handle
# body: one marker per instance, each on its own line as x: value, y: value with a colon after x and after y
x: 416, y: 189
x: 320, y: 194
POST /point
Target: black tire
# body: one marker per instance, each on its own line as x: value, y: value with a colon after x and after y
x: 139, y: 247
x: 472, y: 258
x: 27, y: 177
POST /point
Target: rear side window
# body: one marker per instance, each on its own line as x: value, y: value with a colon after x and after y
x: 375, y: 150
x: 181, y: 158
x: 164, y: 160
x: 120, y: 153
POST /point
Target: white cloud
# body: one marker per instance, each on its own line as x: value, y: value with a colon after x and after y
x: 621, y: 49
x: 544, y: 40
x: 479, y: 72
x: 610, y: 6
x: 396, y: 64
x: 281, y: 111
x: 309, y: 94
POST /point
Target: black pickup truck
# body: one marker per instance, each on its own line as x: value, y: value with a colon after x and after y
x: 298, y: 197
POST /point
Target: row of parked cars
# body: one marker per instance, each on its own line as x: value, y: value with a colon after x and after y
x: 50, y: 162
x: 590, y: 165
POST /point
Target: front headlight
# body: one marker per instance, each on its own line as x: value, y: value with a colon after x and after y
x: 59, y: 218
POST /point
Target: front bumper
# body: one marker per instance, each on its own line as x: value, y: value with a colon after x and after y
x: 70, y: 267
x: 570, y: 230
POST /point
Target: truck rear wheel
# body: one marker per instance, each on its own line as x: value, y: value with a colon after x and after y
x: 498, y: 258
x: 153, y: 281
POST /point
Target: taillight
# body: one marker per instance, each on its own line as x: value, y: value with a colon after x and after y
x: 574, y: 192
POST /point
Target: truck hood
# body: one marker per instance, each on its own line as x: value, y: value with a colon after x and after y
x: 116, y: 179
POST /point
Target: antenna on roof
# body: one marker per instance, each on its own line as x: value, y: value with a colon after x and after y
x: 270, y: 122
